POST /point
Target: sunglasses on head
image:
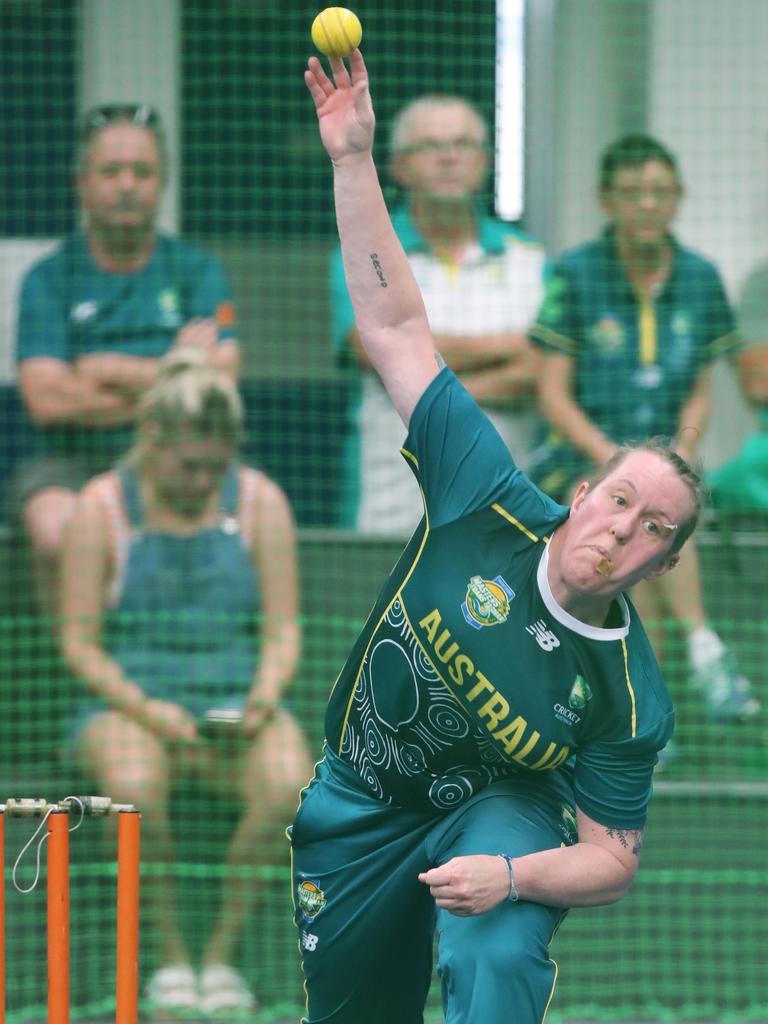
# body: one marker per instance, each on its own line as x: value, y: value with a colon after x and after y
x: 137, y: 113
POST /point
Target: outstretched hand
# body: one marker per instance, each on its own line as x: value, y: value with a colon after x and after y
x: 343, y: 106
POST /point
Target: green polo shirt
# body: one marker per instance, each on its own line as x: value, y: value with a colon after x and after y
x: 69, y: 307
x: 635, y: 361
x: 468, y: 670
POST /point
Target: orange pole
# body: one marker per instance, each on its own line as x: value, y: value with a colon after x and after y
x: 128, y: 853
x: 2, y: 918
x: 58, y: 917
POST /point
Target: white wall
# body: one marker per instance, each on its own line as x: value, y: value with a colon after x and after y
x: 598, y: 94
x: 16, y: 256
x: 130, y: 53
x: 703, y: 90
x: 708, y: 99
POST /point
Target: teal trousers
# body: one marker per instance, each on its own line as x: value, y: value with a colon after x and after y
x: 366, y: 924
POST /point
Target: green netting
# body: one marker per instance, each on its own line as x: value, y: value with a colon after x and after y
x: 250, y: 184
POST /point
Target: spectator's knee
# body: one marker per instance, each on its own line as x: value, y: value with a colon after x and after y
x: 46, y: 515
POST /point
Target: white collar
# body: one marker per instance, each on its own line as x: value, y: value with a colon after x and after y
x: 574, y: 624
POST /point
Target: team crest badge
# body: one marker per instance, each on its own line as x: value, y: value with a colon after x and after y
x: 168, y: 304
x: 580, y: 693
x: 487, y: 602
x: 681, y: 324
x: 311, y: 899
x: 569, y: 826
x: 168, y: 300
x: 608, y: 334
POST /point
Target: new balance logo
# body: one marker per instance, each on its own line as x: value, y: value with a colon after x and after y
x: 544, y: 637
x: 309, y: 941
x: 83, y: 311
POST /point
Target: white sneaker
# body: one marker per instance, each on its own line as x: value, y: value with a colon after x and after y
x: 727, y: 692
x: 173, y: 988
x: 223, y: 990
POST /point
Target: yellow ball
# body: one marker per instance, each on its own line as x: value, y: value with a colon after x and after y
x: 336, y: 31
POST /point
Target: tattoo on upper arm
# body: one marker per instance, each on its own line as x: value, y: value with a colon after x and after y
x: 376, y: 263
x: 630, y: 839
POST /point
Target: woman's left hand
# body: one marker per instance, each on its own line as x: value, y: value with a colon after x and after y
x: 468, y: 885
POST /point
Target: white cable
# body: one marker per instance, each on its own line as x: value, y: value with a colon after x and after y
x: 24, y: 850
x: 31, y: 839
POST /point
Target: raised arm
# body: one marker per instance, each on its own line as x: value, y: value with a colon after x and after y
x: 389, y: 310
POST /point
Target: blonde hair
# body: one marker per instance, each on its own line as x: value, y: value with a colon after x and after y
x: 190, y: 400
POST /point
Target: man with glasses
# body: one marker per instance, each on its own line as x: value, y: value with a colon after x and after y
x: 629, y: 327
x: 481, y: 281
x: 95, y: 317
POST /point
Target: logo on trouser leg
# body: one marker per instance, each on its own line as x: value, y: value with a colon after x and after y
x: 311, y: 899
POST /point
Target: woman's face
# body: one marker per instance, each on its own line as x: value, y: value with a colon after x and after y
x: 642, y: 202
x: 186, y: 474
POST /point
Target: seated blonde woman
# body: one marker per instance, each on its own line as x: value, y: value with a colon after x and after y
x: 179, y: 607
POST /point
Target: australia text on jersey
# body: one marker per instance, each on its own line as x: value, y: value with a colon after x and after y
x: 517, y: 740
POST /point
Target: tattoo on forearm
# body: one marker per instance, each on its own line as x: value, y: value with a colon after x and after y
x: 630, y: 839
x: 379, y: 269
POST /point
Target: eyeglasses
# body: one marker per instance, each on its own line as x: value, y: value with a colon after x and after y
x: 433, y: 147
x: 634, y: 195
x: 137, y: 113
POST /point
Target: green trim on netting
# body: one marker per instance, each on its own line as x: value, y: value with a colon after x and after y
x: 653, y: 1012
x: 274, y: 872
x: 703, y: 876
x: 106, y: 1007
x: 183, y: 869
x: 37, y: 620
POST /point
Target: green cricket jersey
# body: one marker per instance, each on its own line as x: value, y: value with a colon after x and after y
x: 468, y: 670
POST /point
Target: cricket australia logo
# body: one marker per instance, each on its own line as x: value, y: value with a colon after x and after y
x: 487, y: 602
x: 311, y: 899
x: 543, y: 636
x: 578, y: 697
x: 580, y: 693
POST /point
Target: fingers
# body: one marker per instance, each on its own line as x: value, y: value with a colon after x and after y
x: 357, y: 64
x: 318, y: 83
x: 200, y: 332
x: 321, y: 86
x: 340, y: 73
x: 450, y: 890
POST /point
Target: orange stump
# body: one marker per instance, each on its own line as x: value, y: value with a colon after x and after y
x: 58, y: 917
x: 128, y: 852
x: 2, y: 918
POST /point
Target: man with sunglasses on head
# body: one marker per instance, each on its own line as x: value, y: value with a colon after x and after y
x: 97, y: 314
x: 482, y: 282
